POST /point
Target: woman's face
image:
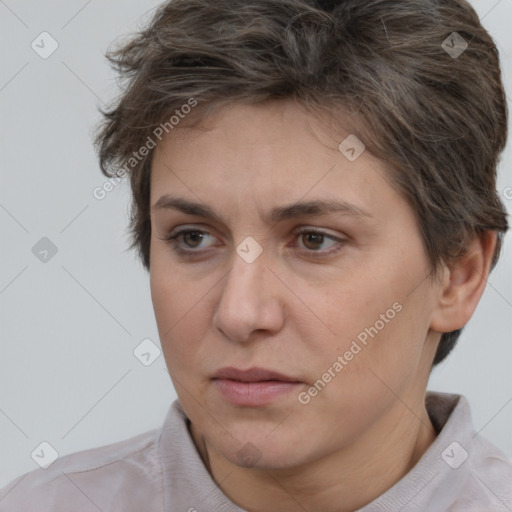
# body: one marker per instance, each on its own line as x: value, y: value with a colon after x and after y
x: 336, y: 300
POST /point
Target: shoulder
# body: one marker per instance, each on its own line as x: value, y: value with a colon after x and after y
x: 489, y: 479
x: 121, y: 476
x: 475, y: 469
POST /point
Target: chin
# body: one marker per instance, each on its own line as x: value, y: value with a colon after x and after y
x: 255, y: 448
x: 265, y: 457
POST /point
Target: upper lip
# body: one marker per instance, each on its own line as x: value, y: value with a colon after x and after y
x: 251, y: 375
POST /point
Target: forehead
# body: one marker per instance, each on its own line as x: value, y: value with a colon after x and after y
x: 255, y: 136
x: 266, y: 154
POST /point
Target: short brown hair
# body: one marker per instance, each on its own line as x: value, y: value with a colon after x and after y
x: 437, y: 120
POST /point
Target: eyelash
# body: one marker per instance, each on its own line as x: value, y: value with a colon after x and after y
x: 172, y: 239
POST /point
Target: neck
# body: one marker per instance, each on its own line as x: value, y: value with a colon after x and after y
x: 339, y: 482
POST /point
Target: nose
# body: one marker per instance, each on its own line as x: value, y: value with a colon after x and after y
x: 250, y: 301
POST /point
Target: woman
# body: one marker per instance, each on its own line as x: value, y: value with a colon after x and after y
x: 314, y: 197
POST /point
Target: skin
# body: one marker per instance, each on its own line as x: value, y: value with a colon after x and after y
x: 295, y: 313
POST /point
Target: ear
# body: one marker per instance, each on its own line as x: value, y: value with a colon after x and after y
x: 463, y: 284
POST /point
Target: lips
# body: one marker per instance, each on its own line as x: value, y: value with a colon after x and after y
x: 254, y: 387
x: 252, y: 375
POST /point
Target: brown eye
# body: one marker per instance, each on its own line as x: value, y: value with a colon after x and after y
x: 190, y: 241
x: 193, y: 238
x: 314, y: 241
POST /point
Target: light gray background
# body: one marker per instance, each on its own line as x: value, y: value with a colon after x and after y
x: 68, y: 375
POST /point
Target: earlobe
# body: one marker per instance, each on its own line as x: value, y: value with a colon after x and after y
x: 463, y: 284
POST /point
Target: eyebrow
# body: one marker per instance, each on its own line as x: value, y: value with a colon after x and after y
x: 316, y: 207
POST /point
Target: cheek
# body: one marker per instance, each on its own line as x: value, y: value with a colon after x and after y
x: 358, y: 307
x: 357, y: 375
x: 380, y: 328
x: 180, y: 314
x: 173, y: 295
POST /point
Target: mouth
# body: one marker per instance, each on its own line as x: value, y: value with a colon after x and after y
x: 253, y: 387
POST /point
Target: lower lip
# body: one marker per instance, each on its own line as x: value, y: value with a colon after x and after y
x: 252, y: 394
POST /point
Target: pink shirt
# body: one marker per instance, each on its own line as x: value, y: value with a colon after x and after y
x: 161, y: 471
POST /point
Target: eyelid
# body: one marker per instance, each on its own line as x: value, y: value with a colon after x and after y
x: 175, y: 233
x: 297, y: 231
x: 171, y: 238
x: 322, y: 253
x: 314, y: 229
x: 185, y: 228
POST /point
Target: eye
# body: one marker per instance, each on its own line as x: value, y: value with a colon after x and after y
x: 314, y: 241
x: 194, y: 242
x: 189, y: 240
